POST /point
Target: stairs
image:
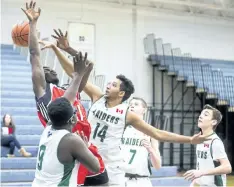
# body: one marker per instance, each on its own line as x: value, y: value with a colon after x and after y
x: 18, y: 100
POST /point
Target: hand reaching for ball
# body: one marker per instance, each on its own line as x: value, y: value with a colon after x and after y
x: 46, y: 44
x: 31, y: 13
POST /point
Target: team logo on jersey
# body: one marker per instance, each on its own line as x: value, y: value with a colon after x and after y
x: 119, y: 111
x: 49, y: 134
x: 206, y: 145
x: 105, y: 116
x: 202, y: 154
x: 131, y: 141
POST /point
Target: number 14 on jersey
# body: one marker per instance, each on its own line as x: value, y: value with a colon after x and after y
x: 100, y: 133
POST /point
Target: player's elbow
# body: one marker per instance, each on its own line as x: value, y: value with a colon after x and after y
x: 157, y: 165
x: 34, y: 52
x: 228, y: 169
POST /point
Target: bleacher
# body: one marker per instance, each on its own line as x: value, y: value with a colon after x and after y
x: 215, y: 78
x: 17, y: 99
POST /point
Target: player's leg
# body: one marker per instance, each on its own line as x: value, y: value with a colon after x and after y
x: 131, y: 182
x: 98, y: 180
x: 116, y: 177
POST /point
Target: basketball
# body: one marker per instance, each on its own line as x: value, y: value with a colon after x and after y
x: 20, y: 34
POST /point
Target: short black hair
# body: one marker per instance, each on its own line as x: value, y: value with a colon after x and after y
x: 126, y: 86
x: 144, y: 104
x: 60, y: 111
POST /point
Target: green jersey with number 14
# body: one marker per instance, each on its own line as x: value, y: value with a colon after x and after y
x: 49, y: 171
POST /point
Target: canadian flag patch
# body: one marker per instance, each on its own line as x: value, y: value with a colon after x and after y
x: 206, y: 145
x: 119, y: 111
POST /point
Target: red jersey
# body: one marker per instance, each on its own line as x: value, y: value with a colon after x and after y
x: 53, y: 92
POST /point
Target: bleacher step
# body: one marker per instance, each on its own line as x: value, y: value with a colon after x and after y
x: 18, y: 163
x: 170, y: 181
x: 16, y: 184
x: 32, y: 149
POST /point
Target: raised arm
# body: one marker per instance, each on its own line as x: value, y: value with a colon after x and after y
x: 38, y: 76
x: 81, y: 66
x: 161, y: 135
x: 90, y: 89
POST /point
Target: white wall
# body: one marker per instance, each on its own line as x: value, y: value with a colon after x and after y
x: 116, y: 51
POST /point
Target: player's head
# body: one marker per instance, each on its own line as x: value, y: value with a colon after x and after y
x: 121, y: 88
x: 50, y: 75
x: 61, y: 113
x: 210, y: 117
x: 138, y: 105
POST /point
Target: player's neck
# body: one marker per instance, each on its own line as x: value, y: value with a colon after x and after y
x: 207, y: 132
x: 112, y: 103
x: 65, y: 127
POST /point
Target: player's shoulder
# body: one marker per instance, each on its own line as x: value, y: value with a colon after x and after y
x: 216, y: 140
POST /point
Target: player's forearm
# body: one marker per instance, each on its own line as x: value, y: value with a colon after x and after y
x: 33, y: 39
x: 38, y: 76
x: 155, y: 159
x: 71, y: 51
x: 223, y: 169
x: 84, y: 81
x: 171, y: 137
x: 72, y: 90
x: 66, y: 64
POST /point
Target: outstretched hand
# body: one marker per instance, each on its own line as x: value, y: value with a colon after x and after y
x: 31, y: 13
x: 46, y: 44
x: 81, y: 64
x: 191, y: 175
x: 62, y: 41
x: 198, y: 138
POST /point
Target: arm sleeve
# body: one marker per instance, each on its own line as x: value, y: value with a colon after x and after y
x: 43, y: 102
x: 218, y: 150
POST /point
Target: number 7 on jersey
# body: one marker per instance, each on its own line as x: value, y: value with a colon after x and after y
x: 133, y: 151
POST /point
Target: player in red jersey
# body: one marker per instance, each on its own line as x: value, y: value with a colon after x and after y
x: 46, y: 89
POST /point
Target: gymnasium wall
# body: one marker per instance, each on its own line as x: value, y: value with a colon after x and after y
x: 119, y: 47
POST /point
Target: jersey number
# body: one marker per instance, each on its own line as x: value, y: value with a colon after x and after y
x: 40, y: 156
x: 100, y: 133
x: 133, y: 151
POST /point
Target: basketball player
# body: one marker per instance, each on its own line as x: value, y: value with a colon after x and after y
x: 46, y: 89
x: 212, y: 160
x: 61, y: 151
x: 138, y: 149
x: 109, y: 116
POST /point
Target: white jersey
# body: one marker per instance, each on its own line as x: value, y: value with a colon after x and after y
x: 107, y: 125
x: 49, y: 171
x: 135, y: 154
x: 207, y: 154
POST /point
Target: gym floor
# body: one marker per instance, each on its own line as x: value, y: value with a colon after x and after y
x: 230, y: 180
